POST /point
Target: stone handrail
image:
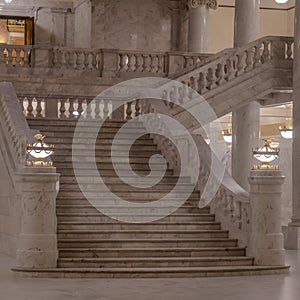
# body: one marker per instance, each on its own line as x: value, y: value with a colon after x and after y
x: 223, y: 67
x: 231, y: 203
x: 14, y: 131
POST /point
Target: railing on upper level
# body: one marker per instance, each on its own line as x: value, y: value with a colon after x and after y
x: 96, y: 62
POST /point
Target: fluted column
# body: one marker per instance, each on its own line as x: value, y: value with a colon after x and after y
x: 245, y: 120
x: 293, y: 236
x: 198, y: 24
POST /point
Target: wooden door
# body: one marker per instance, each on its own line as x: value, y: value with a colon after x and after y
x: 29, y: 31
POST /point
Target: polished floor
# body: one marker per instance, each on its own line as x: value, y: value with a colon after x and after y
x: 277, y: 287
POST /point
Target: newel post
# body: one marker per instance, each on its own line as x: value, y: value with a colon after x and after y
x: 37, y: 245
x: 266, y: 238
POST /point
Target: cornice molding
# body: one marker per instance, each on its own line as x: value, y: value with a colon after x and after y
x: 213, y: 4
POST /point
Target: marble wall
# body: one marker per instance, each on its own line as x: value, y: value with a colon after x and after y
x: 135, y: 24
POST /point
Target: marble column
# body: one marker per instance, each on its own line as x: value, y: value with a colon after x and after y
x: 293, y: 232
x: 198, y: 24
x: 245, y: 120
x: 37, y: 244
x: 266, y: 238
x: 83, y: 24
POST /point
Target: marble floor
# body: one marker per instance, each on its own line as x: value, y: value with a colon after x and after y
x: 278, y: 287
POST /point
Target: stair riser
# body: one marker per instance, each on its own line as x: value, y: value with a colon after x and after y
x: 68, y: 171
x: 145, y: 244
x: 116, y: 226
x: 84, y: 158
x: 115, y: 180
x: 91, y: 209
x: 141, y: 235
x: 102, y: 135
x: 150, y: 264
x: 108, y: 166
x: 137, y: 195
x: 101, y: 153
x: 115, y: 253
x: 84, y: 140
x: 56, y: 131
x: 103, y: 219
x: 72, y: 123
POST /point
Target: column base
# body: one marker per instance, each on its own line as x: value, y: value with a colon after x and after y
x: 291, y: 237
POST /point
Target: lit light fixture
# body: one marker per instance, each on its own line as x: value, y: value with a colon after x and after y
x: 265, y: 155
x: 227, y: 135
x: 286, y: 131
x: 8, y: 1
x: 39, y: 150
x: 281, y: 1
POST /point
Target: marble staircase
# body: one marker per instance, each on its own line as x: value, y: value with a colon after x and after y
x: 187, y: 243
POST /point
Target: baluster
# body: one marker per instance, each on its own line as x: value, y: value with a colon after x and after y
x: 153, y: 63
x: 105, y: 109
x: 194, y: 83
x: 30, y: 108
x: 39, y: 108
x: 77, y: 60
x: 123, y: 62
x: 63, y: 60
x: 248, y: 60
x: 71, y: 109
x: 220, y: 74
x: 137, y: 108
x: 161, y: 64
x: 80, y: 108
x: 128, y: 111
x: 289, y: 50
x: 266, y: 52
x: 97, y: 108
x: 210, y: 77
x: 146, y: 64
x: 228, y: 70
x: 188, y: 61
x: 62, y: 109
x: 86, y: 60
x: 26, y: 54
x: 89, y: 110
x: 138, y: 63
x: 256, y: 57
x: 202, y: 83
x: 131, y: 63
x: 95, y: 59
x: 9, y: 57
x: 21, y: 101
x: 240, y: 64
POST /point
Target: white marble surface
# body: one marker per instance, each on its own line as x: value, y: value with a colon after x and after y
x: 82, y: 23
x: 266, y: 238
x: 275, y: 287
x: 146, y: 25
x: 37, y: 244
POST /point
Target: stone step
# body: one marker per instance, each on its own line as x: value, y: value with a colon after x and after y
x: 123, y: 187
x: 107, y: 165
x: 99, y: 217
x: 138, y: 210
x: 146, y: 153
x: 136, y: 226
x: 150, y: 252
x: 67, y: 179
x: 57, y: 130
x: 146, y: 243
x: 134, y: 196
x: 67, y: 170
x: 73, y: 122
x: 141, y: 234
x: 127, y: 134
x: 103, y: 147
x: 83, y: 140
x: 187, y: 272
x: 162, y: 262
x: 105, y: 159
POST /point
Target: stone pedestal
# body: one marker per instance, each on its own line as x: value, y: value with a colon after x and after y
x: 198, y: 38
x: 37, y: 244
x: 266, y: 238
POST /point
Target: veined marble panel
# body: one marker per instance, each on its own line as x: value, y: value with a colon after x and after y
x: 132, y: 24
